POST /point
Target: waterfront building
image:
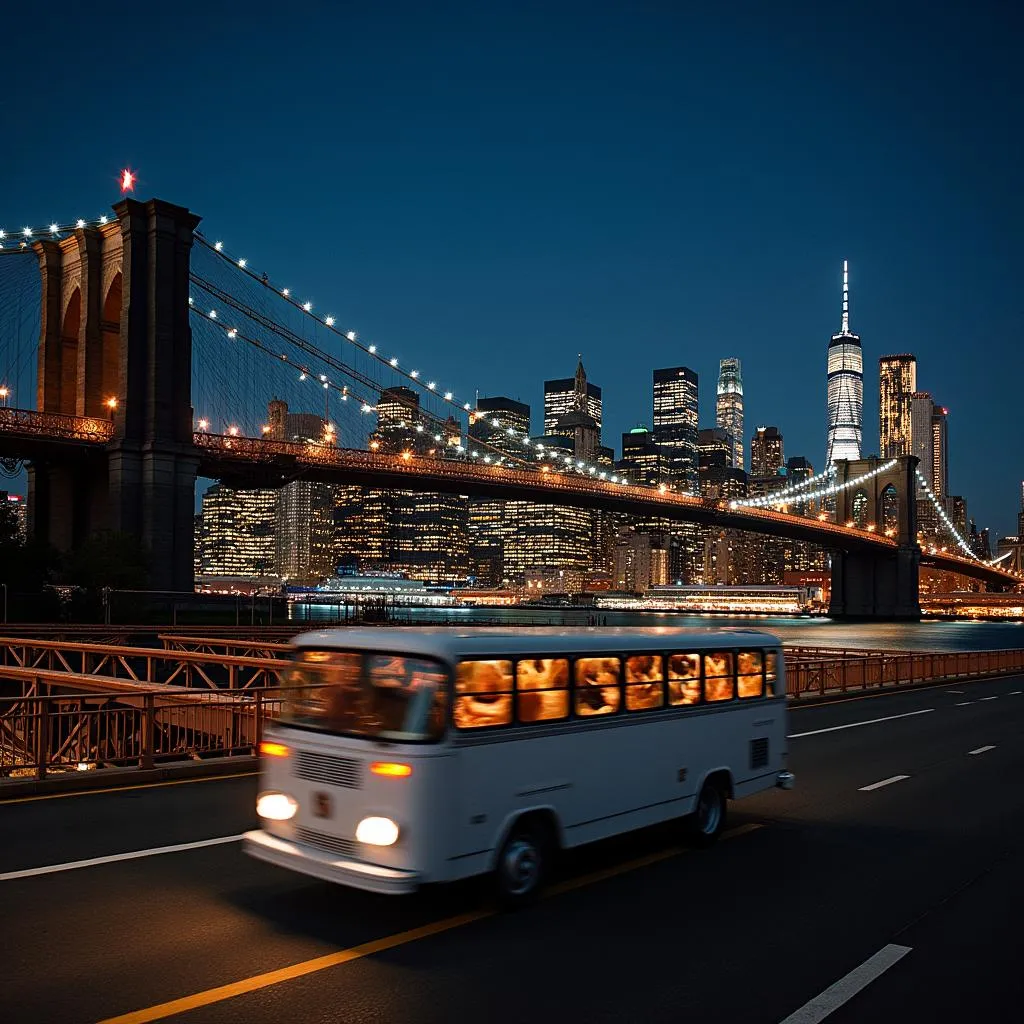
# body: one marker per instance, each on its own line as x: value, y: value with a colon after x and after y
x: 304, y: 528
x: 237, y: 533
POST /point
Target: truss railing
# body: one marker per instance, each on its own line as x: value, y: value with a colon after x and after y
x: 187, y: 669
x: 63, y: 723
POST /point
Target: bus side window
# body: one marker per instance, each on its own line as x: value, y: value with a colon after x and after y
x: 748, y: 674
x: 645, y: 687
x: 684, y: 679
x: 483, y: 694
x: 719, y: 683
x: 771, y: 673
x: 542, y: 689
x: 597, y: 686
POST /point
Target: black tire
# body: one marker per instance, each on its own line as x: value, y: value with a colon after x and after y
x: 708, y: 818
x: 522, y: 865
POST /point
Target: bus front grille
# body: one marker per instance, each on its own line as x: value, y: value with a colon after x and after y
x: 334, y: 771
x: 322, y: 841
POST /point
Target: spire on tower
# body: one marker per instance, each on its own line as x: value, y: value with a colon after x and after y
x: 580, y: 388
x: 846, y: 299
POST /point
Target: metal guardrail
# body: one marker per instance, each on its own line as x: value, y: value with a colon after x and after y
x: 823, y: 676
x: 64, y: 723
x: 210, y: 645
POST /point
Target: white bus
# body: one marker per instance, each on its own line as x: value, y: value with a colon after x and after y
x: 412, y: 756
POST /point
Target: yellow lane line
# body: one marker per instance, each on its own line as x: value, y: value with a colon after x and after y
x: 345, y: 956
x: 126, y: 789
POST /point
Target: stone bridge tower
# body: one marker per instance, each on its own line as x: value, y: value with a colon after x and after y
x: 882, y: 585
x: 116, y: 343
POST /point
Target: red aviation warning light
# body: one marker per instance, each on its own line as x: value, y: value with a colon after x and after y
x: 127, y: 180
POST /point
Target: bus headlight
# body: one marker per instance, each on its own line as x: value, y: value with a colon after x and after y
x: 276, y: 806
x: 377, y: 832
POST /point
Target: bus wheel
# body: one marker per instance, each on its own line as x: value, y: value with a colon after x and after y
x: 708, y: 818
x: 522, y: 865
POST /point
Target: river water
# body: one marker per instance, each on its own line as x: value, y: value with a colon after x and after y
x: 814, y: 632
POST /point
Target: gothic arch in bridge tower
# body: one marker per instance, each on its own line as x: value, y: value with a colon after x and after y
x: 67, y: 356
x: 881, y: 582
x: 888, y: 514
x: 110, y: 340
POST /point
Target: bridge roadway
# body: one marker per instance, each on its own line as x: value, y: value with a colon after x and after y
x: 258, y: 462
x: 808, y: 887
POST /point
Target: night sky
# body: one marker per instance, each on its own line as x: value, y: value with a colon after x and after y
x: 489, y: 188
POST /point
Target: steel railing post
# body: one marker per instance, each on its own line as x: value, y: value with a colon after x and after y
x: 42, y: 735
x: 148, y: 730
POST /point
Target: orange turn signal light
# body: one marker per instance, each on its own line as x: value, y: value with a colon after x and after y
x: 391, y: 769
x: 268, y: 749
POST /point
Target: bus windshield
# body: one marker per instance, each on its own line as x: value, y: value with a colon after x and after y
x: 380, y: 696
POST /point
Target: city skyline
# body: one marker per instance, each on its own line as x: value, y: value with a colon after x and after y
x: 462, y: 210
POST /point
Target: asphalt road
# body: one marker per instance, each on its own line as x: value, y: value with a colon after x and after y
x: 895, y: 903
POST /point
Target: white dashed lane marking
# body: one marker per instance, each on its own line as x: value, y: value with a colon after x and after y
x: 884, y: 782
x: 821, y: 1006
x: 855, y: 725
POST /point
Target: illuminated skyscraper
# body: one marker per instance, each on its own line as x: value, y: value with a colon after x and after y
x: 643, y: 461
x: 716, y: 439
x: 571, y: 394
x: 940, y: 452
x: 766, y: 454
x: 729, y: 406
x: 897, y: 381
x: 237, y: 533
x: 675, y: 423
x: 921, y: 407
x: 305, y: 508
x: 845, y: 387
x: 928, y: 441
x: 492, y: 520
x: 423, y: 534
x: 493, y: 418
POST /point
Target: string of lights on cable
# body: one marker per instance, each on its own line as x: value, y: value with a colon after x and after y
x: 820, y: 492
x: 787, y: 494
x: 947, y: 522
x: 306, y: 373
x: 414, y: 376
x: 475, y: 448
x: 23, y: 237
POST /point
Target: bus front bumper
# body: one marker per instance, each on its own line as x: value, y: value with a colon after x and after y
x: 307, y: 861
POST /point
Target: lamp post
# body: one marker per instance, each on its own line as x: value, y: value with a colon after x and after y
x: 4, y: 393
x: 111, y: 404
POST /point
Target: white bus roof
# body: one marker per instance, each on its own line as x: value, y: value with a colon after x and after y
x: 453, y: 642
